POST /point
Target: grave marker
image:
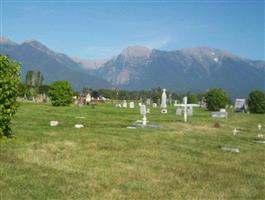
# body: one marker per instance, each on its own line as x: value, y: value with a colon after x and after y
x: 143, y: 112
x: 240, y: 105
x: 221, y: 114
x: 131, y: 105
x: 164, y: 102
x: 124, y: 104
x: 148, y: 101
x: 185, y: 106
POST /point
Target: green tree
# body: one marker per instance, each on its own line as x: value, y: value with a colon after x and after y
x: 30, y: 78
x: 9, y: 83
x: 256, y: 102
x: 60, y: 93
x: 192, y: 98
x: 39, y: 79
x: 22, y: 90
x: 216, y: 99
x: 43, y: 89
x: 34, y: 79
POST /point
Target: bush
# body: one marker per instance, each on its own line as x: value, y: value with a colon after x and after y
x: 256, y: 102
x: 9, y: 83
x: 61, y: 93
x: 216, y: 99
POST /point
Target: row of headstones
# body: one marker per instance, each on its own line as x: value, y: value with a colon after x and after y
x: 131, y: 105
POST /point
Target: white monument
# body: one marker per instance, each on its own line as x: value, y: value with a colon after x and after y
x: 164, y: 102
x: 148, y: 101
x: 88, y: 98
x: 240, y: 105
x: 185, y: 106
x: 131, y: 105
x: 221, y: 114
x: 143, y: 112
x: 124, y: 105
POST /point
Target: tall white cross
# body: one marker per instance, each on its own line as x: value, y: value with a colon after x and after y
x: 185, y: 105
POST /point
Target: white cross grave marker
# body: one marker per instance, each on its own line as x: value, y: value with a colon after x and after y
x: 185, y: 106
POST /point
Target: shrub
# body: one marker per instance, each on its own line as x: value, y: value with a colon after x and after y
x: 256, y: 102
x: 216, y: 99
x: 9, y: 83
x: 61, y: 93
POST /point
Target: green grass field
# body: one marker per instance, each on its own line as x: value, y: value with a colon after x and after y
x: 105, y: 160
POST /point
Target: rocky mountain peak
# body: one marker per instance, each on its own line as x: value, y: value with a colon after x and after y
x: 136, y: 51
x: 38, y: 45
x: 4, y: 40
x: 207, y: 52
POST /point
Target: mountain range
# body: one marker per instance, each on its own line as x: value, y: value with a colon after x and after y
x: 137, y: 67
x: 54, y: 66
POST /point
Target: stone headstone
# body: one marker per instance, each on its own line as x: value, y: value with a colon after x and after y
x: 154, y: 105
x: 190, y: 111
x: 179, y: 111
x: 124, y: 104
x: 118, y: 105
x: 259, y: 127
x: 231, y: 149
x: 88, y: 98
x: 219, y: 114
x: 240, y: 105
x: 235, y: 132
x: 222, y: 110
x: 143, y: 109
x: 131, y: 105
x: 148, y: 110
x: 164, y: 102
x: 54, y: 123
x: 79, y: 126
x: 259, y: 141
x: 143, y: 112
x: 175, y: 103
x: 148, y: 101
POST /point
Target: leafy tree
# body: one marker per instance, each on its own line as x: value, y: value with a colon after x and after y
x: 61, y: 93
x: 216, y: 99
x: 22, y: 90
x: 34, y: 79
x: 39, y: 79
x: 9, y: 83
x: 108, y: 93
x: 30, y: 78
x: 43, y: 89
x: 95, y: 94
x: 256, y: 102
x: 192, y: 98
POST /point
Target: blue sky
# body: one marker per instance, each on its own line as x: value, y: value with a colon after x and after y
x: 91, y: 29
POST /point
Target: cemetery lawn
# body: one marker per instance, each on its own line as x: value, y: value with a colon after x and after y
x: 105, y: 160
